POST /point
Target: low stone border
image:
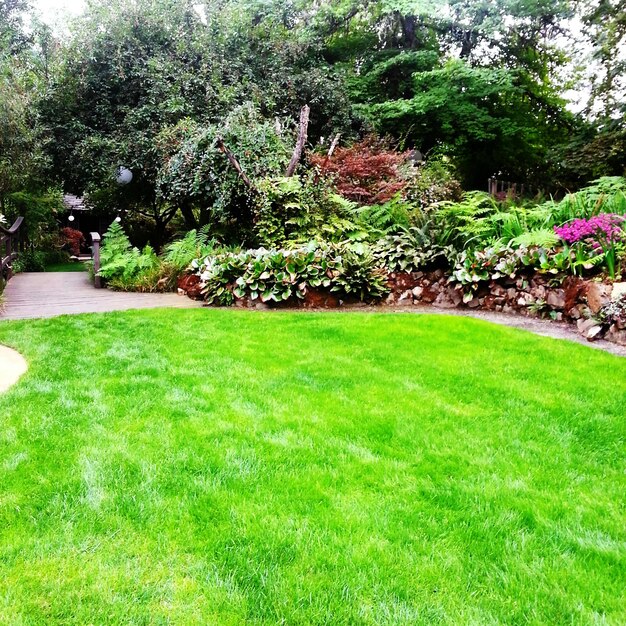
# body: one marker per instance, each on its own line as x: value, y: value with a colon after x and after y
x: 12, y: 366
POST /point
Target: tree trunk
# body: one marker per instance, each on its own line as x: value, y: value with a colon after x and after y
x: 302, y: 137
x: 188, y: 215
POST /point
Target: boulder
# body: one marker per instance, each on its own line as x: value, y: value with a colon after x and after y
x: 190, y: 284
x: 589, y: 329
x: 616, y: 335
x: 448, y: 298
x: 417, y: 293
x: 556, y: 299
x: 618, y: 291
x: 598, y: 294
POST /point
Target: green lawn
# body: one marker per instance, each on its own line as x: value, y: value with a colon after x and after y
x: 73, y: 266
x: 231, y: 467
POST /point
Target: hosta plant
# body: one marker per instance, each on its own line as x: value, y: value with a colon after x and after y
x: 280, y: 275
x: 413, y: 249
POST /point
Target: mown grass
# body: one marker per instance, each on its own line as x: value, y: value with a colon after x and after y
x: 229, y: 467
x: 72, y: 266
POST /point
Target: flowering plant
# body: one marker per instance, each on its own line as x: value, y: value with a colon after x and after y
x: 607, y: 226
x: 602, y: 232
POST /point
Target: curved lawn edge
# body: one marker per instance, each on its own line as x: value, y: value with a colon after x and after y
x: 429, y: 468
x: 533, y: 325
x: 12, y: 367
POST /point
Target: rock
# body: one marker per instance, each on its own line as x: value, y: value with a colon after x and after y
x: 511, y: 293
x: 556, y: 299
x: 449, y: 298
x: 594, y: 333
x: 181, y: 292
x: 456, y: 295
x: 489, y: 302
x: 558, y: 317
x: 589, y: 328
x: 575, y: 288
x: 473, y: 303
x: 190, y: 284
x: 616, y: 335
x: 618, y: 291
x: 499, y: 308
x: 406, y: 295
x: 521, y: 301
x: 319, y: 298
x: 417, y: 293
x: 538, y: 292
x: 390, y: 299
x: 508, y: 309
x: 498, y: 291
x: 574, y: 313
x: 429, y: 294
x: 598, y: 294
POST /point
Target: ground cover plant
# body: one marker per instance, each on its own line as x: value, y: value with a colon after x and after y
x: 233, y: 467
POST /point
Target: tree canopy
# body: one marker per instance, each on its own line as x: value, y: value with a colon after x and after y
x: 153, y: 84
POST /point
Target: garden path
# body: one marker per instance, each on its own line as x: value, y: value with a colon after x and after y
x: 12, y: 366
x: 47, y: 294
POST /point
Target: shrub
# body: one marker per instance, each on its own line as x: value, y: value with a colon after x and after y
x: 74, y: 239
x: 474, y: 267
x: 125, y: 267
x: 296, y: 210
x: 280, y: 275
x: 614, y: 312
x: 367, y: 172
x: 181, y: 253
x: 411, y: 250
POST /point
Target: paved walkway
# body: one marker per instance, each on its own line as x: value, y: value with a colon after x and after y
x: 47, y: 294
x: 12, y: 366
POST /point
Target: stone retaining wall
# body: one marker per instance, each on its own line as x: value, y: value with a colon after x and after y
x: 574, y: 300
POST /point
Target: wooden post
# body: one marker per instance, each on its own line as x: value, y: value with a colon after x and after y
x: 9, y: 257
x: 95, y: 250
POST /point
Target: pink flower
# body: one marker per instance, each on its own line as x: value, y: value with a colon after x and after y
x: 606, y: 226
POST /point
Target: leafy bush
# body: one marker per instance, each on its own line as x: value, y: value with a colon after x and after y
x: 30, y: 261
x: 296, y: 210
x: 74, y: 239
x: 124, y: 267
x: 195, y: 244
x: 280, y: 275
x: 367, y: 172
x: 435, y: 182
x: 614, y: 312
x: 411, y: 250
x: 474, y: 267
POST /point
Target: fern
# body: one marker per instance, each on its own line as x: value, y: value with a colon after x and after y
x: 540, y: 237
x: 195, y: 244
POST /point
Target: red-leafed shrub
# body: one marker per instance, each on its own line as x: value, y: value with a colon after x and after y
x: 73, y: 239
x: 367, y: 172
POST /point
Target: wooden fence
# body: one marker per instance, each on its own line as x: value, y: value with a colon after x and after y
x: 12, y: 241
x: 503, y: 188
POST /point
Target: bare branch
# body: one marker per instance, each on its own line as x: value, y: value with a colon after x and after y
x: 233, y: 161
x: 302, y: 136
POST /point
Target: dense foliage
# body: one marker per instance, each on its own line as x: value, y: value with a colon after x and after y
x: 406, y: 105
